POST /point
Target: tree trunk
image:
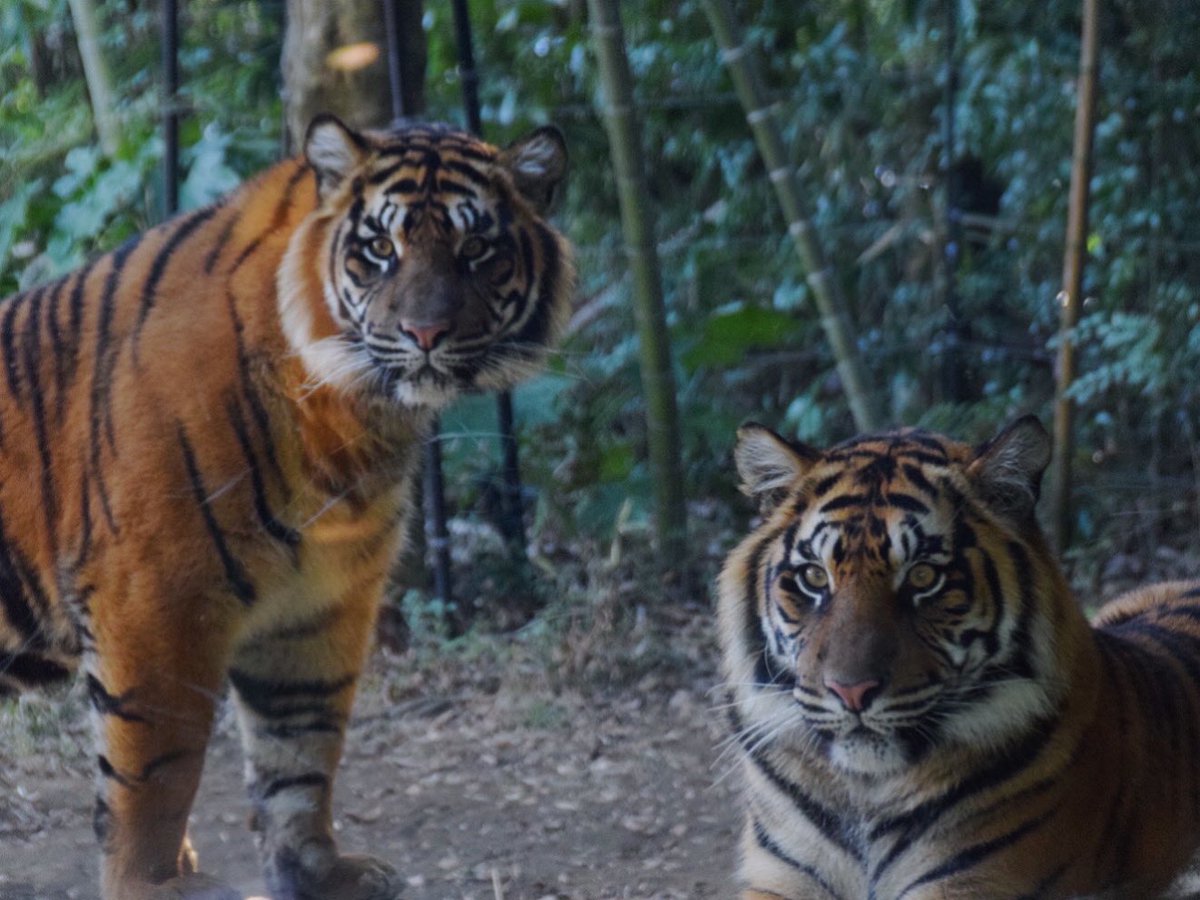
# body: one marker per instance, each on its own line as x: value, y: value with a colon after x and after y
x: 335, y: 60
x: 1071, y: 297
x: 95, y: 71
x: 637, y: 221
x: 831, y: 304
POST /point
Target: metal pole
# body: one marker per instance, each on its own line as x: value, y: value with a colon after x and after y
x: 437, y: 535
x: 170, y: 69
x: 395, y: 73
x: 513, y: 514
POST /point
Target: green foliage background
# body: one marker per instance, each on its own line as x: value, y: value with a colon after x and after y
x: 858, y: 84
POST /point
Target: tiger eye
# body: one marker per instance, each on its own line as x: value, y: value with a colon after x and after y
x: 922, y: 576
x: 472, y: 248
x: 815, y: 577
x: 382, y: 247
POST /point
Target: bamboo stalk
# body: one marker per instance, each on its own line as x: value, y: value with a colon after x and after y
x: 1074, y: 258
x: 95, y: 72
x: 637, y: 222
x: 831, y: 304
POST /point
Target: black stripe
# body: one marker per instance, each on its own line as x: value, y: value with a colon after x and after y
x: 384, y: 174
x: 307, y: 780
x: 266, y: 518
x: 843, y: 502
x: 918, y: 479
x: 182, y: 230
x: 107, y: 770
x: 304, y: 629
x: 976, y: 853
x: 913, y: 824
x: 404, y: 186
x: 235, y: 572
x: 258, y: 409
x: 836, y: 830
x: 210, y: 261
x: 470, y: 172
x: 31, y: 670
x: 1172, y: 645
x: 767, y: 843
x: 290, y: 730
x: 446, y: 186
x: 906, y: 502
x: 54, y: 328
x: 101, y: 387
x: 33, y: 364
x: 107, y: 704
x: 159, y: 762
x: 537, y: 327
x: 264, y: 696
x: 825, y: 485
x: 21, y: 595
x: 277, y: 219
x: 8, y: 336
x: 70, y: 362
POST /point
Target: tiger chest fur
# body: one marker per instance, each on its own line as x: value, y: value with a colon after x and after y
x: 207, y: 439
x: 920, y: 707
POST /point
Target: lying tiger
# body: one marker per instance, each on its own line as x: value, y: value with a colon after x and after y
x: 922, y: 709
x: 207, y: 439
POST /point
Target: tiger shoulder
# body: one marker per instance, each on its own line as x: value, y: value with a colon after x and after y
x: 921, y: 708
x: 207, y: 445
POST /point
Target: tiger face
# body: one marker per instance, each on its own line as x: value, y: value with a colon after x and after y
x: 871, y: 616
x: 441, y: 275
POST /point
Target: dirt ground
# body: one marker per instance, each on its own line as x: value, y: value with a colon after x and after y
x: 477, y: 779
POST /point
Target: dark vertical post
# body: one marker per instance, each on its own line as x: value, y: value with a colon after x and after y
x: 952, y: 381
x: 513, y: 516
x: 466, y: 65
x: 170, y: 70
x: 391, y: 26
x: 437, y: 534
x: 1074, y: 258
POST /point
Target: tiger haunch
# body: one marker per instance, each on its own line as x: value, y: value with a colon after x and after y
x: 207, y: 439
x: 922, y: 710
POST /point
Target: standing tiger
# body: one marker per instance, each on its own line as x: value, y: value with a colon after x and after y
x: 207, y: 439
x: 922, y: 710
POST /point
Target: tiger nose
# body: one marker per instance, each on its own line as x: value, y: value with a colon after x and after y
x: 426, y: 336
x: 855, y: 697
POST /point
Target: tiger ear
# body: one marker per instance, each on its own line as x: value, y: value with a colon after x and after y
x: 334, y: 151
x: 1008, y: 468
x: 537, y: 164
x: 769, y: 464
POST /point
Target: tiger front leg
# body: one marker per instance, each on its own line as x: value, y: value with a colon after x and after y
x: 294, y: 687
x: 153, y: 689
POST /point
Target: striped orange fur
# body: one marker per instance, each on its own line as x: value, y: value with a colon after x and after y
x: 922, y: 710
x: 207, y: 439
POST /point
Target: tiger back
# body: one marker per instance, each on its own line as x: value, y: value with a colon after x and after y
x: 920, y: 707
x: 207, y: 440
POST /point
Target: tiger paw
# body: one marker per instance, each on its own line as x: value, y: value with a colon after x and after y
x: 360, y: 878
x: 318, y: 876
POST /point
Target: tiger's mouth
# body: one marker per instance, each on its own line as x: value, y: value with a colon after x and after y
x: 418, y: 384
x: 865, y: 751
